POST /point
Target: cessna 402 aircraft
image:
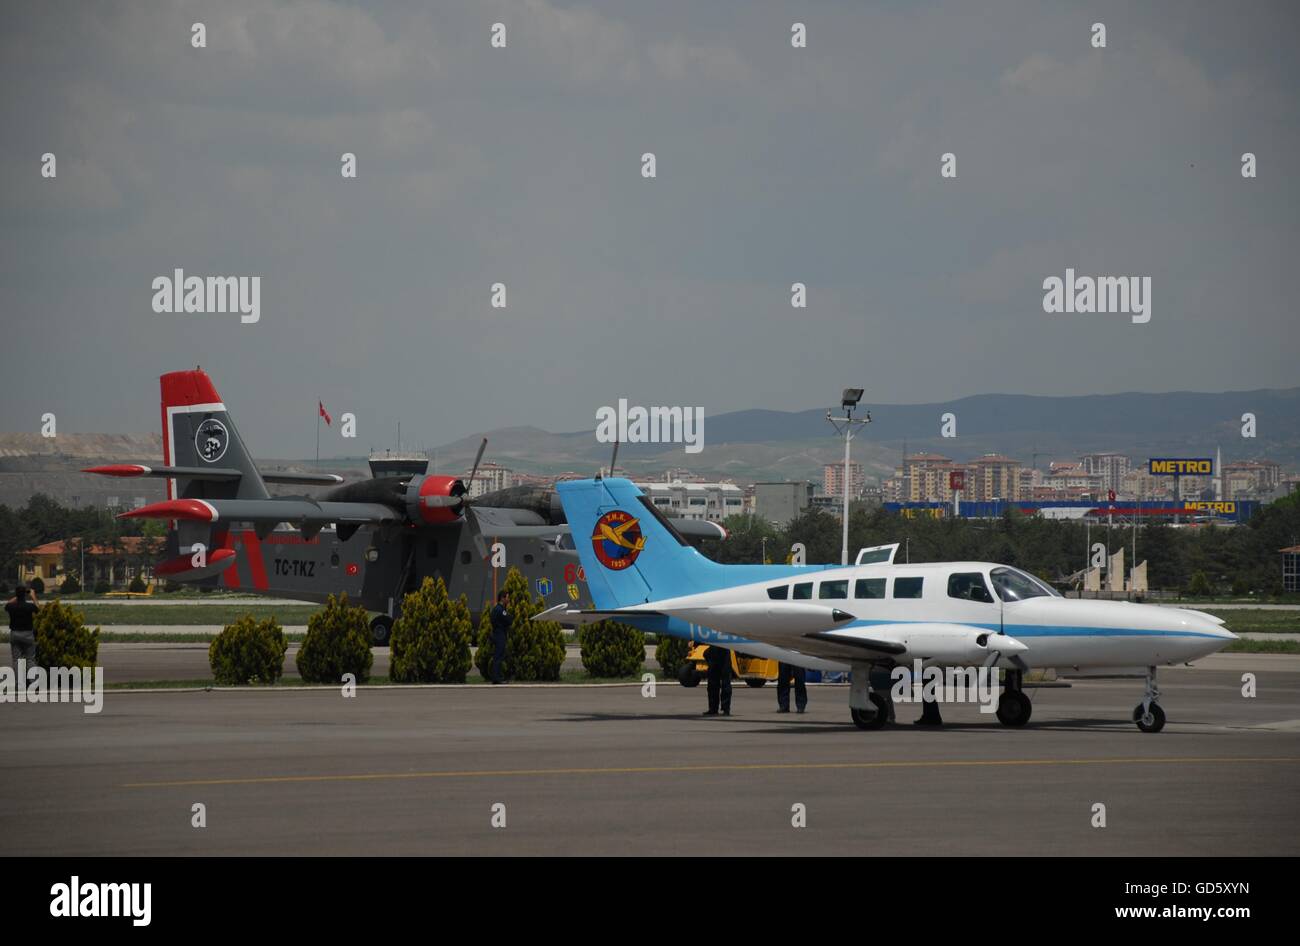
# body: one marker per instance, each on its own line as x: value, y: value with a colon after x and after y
x: 874, y: 614
x: 373, y: 539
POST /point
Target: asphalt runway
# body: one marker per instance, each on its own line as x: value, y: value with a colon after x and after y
x: 603, y: 770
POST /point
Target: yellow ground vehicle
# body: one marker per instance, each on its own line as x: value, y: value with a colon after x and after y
x: 755, y: 671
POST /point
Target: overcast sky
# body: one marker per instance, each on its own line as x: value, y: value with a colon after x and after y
x: 523, y: 166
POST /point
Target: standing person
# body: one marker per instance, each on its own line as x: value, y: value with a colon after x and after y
x: 22, y: 636
x: 500, y: 619
x: 783, y: 674
x: 719, y: 661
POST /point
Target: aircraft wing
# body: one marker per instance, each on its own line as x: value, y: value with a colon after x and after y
x: 761, y: 620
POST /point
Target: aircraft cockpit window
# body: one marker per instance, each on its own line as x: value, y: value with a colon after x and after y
x: 1014, y: 585
x: 869, y: 588
x: 908, y: 587
x: 969, y: 586
x: 779, y: 593
x: 803, y: 591
x: 833, y: 589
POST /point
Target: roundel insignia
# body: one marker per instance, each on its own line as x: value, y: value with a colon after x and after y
x: 211, y: 440
x: 617, y: 540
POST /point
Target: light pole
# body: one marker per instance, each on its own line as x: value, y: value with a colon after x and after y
x: 848, y: 401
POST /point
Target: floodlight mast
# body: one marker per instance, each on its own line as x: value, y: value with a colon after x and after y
x: 848, y: 401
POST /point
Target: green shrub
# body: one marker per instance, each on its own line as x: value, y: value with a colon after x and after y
x: 137, y: 585
x: 102, y: 587
x: 70, y: 585
x: 337, y: 642
x: 1199, y: 586
x: 248, y: 651
x: 37, y: 585
x: 534, y: 649
x: 611, y: 649
x: 671, y: 653
x: 431, y: 639
x: 62, y: 638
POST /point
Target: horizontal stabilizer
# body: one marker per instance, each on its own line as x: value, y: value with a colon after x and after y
x: 212, y: 474
x: 562, y: 615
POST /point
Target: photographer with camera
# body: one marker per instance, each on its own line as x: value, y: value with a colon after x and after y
x: 22, y: 609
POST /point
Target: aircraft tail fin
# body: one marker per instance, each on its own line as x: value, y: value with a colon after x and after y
x: 630, y: 553
x: 199, y: 433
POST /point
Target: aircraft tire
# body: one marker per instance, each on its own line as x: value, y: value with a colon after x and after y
x: 1152, y: 721
x: 755, y: 683
x: 872, y: 718
x: 381, y: 630
x: 688, y: 676
x: 1014, y: 708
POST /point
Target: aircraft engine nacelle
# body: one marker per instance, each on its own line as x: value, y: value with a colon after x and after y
x: 954, y: 644
x: 435, y: 500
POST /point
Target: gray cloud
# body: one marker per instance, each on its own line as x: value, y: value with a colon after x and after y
x: 522, y: 166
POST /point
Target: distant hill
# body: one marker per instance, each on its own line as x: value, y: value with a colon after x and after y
x: 764, y: 444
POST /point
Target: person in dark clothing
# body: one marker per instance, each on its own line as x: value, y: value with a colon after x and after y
x: 783, y: 674
x: 22, y: 609
x: 719, y: 661
x: 500, y: 619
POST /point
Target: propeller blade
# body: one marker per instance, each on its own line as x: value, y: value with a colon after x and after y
x: 477, y: 459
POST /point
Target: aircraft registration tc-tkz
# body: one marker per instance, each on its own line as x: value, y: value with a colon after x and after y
x: 874, y: 614
x: 373, y: 539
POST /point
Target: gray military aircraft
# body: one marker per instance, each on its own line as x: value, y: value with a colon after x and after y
x: 374, y: 539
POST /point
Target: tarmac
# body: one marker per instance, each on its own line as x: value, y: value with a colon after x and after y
x: 607, y: 770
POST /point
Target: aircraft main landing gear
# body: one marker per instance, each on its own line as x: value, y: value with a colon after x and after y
x: 381, y: 629
x: 1014, y: 707
x: 868, y: 708
x: 871, y: 718
x: 1148, y: 715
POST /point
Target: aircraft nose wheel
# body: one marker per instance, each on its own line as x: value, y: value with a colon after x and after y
x: 1014, y: 708
x: 1149, y: 718
x: 871, y: 718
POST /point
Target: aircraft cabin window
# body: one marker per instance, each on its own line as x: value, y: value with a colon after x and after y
x: 465, y: 557
x: 334, y: 560
x: 834, y: 589
x: 869, y: 588
x: 969, y: 586
x: 908, y: 587
x: 780, y: 593
x: 803, y: 591
x: 528, y: 560
x: 1014, y: 585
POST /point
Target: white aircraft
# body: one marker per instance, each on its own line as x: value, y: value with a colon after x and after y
x: 875, y: 614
